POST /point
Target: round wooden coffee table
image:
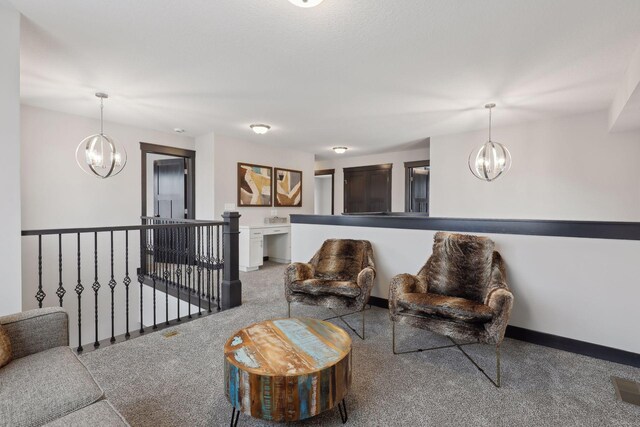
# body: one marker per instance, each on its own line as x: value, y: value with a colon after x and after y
x: 287, y: 369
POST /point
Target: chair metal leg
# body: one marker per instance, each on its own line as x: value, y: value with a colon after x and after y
x: 341, y: 317
x: 495, y: 382
x: 498, y: 364
x: 288, y: 309
x: 419, y: 350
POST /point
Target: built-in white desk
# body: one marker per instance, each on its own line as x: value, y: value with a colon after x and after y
x: 258, y: 241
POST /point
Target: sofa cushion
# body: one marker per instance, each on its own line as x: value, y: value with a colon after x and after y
x: 326, y: 287
x: 5, y: 347
x: 448, y: 307
x: 99, y: 414
x: 44, y: 386
x: 460, y: 265
x: 340, y: 259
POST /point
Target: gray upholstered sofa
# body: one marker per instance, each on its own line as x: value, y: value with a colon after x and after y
x: 45, y: 383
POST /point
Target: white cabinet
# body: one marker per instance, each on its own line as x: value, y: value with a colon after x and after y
x: 256, y: 252
x: 256, y: 242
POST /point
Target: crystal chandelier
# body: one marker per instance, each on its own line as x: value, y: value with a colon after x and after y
x: 98, y: 154
x: 490, y: 160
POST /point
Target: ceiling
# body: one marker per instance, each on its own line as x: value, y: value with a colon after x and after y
x: 372, y: 75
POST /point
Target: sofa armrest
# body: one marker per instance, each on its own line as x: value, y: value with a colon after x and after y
x: 37, y: 330
x: 404, y: 284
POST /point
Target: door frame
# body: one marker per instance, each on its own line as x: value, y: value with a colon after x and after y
x: 380, y: 167
x: 407, y: 180
x: 332, y: 172
x: 189, y: 155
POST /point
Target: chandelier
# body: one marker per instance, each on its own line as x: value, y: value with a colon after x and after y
x: 98, y: 154
x: 490, y: 160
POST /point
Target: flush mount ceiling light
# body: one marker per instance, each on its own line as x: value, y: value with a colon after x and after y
x: 306, y: 3
x: 260, y: 129
x: 490, y: 160
x: 179, y: 130
x: 339, y: 150
x: 98, y: 154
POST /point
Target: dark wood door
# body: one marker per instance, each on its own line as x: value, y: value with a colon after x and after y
x: 417, y: 186
x: 355, y: 188
x: 367, y: 189
x: 169, y: 201
x: 169, y: 184
x: 420, y: 190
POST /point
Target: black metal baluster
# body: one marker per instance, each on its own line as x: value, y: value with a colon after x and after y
x: 189, y: 260
x: 143, y: 269
x: 112, y: 285
x: 60, y: 291
x: 127, y: 281
x: 209, y: 268
x: 79, y: 288
x: 165, y: 260
x: 40, y: 294
x: 178, y: 260
x: 154, y: 247
x: 218, y: 264
x: 96, y: 284
x: 199, y: 267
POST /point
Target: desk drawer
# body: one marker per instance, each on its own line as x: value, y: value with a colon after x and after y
x: 275, y: 230
x: 255, y: 233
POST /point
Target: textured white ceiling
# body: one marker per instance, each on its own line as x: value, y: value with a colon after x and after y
x: 370, y: 75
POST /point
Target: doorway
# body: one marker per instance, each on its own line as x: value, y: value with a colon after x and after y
x: 417, y: 186
x: 168, y: 182
x: 323, y: 192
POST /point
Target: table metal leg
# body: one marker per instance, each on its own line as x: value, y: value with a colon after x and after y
x: 235, y: 414
x: 344, y: 417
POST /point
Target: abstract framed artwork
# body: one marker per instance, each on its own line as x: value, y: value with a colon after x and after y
x: 254, y: 185
x: 288, y: 187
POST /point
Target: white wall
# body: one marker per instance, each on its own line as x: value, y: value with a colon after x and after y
x: 397, y: 173
x: 56, y: 193
x: 230, y: 151
x: 322, y: 195
x: 11, y: 287
x: 205, y: 183
x: 584, y: 289
x: 569, y: 168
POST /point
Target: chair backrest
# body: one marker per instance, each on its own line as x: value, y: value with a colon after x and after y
x: 460, y: 266
x: 341, y: 259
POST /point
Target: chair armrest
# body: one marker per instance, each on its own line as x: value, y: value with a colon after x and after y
x: 500, y: 299
x: 299, y: 271
x: 365, y: 283
x: 404, y: 284
x: 37, y: 330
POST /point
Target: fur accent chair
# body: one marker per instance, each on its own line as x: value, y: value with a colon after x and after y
x: 340, y: 275
x: 461, y: 292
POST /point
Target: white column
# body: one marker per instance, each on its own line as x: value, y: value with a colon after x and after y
x: 10, y: 249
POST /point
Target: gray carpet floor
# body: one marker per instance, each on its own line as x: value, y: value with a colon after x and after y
x: 177, y: 381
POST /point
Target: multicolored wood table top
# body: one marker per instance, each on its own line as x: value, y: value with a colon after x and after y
x: 287, y: 369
